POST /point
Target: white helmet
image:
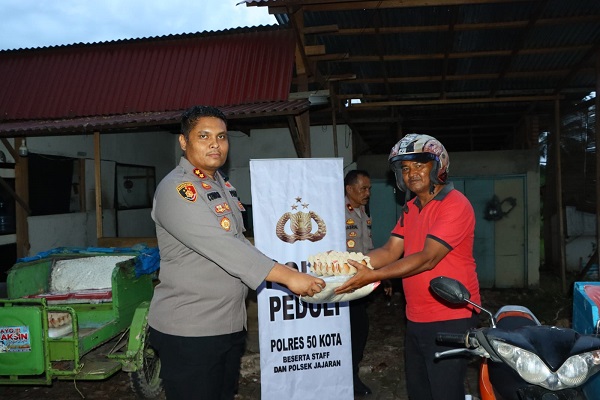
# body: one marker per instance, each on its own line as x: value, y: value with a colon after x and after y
x: 423, y: 148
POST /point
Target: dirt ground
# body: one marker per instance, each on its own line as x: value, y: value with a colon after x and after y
x: 381, y: 369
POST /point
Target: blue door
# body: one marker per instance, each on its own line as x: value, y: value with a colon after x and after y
x: 479, y: 191
x: 384, y: 209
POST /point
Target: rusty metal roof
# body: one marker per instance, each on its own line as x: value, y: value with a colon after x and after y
x: 148, y: 80
x: 166, y: 120
x: 467, y: 71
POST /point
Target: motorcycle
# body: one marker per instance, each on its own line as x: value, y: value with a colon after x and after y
x: 521, y: 358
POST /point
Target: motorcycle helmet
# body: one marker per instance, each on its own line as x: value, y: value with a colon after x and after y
x: 422, y: 148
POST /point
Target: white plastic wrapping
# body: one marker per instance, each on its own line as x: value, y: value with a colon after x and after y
x: 84, y: 273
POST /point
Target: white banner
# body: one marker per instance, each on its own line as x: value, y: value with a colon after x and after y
x: 298, y: 210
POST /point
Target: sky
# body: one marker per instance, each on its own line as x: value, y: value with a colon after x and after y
x: 40, y: 23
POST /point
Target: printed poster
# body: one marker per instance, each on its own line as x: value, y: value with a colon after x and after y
x: 298, y: 210
x: 14, y: 339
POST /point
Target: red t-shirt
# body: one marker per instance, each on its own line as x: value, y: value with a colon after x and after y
x: 449, y: 219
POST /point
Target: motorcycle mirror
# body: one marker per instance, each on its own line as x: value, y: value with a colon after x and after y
x: 455, y: 292
x: 450, y: 290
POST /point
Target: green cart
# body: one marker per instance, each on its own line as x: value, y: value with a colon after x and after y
x: 87, y: 333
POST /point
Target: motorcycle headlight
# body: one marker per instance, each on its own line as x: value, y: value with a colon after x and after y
x: 574, y: 371
x: 531, y: 368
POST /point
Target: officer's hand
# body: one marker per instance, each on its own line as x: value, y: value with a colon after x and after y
x: 305, y: 285
x: 299, y: 283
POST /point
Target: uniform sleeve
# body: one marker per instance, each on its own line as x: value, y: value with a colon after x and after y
x: 455, y: 220
x: 196, y: 226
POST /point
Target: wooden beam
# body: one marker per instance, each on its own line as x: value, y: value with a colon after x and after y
x: 460, y: 95
x: 456, y: 55
x: 300, y: 132
x: 340, y: 5
x: 341, y: 77
x: 313, y: 30
x: 317, y: 50
x: 303, y: 66
x: 454, y: 101
x: 330, y: 57
x: 435, y: 78
x: 349, y: 96
x: 512, y: 25
x: 280, y: 6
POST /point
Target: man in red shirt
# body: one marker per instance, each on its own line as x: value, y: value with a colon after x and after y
x: 435, y: 233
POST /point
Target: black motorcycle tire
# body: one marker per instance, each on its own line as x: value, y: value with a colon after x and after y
x: 146, y: 382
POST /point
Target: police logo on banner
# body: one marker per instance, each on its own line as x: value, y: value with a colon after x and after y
x: 304, y: 348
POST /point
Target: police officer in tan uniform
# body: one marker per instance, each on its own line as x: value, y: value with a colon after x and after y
x: 197, y: 315
x: 357, y: 185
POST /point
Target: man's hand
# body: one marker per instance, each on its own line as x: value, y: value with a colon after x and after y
x: 363, y: 276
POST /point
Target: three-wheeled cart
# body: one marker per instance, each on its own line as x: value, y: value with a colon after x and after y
x: 78, y: 317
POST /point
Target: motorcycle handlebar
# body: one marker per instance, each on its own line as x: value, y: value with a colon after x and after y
x: 447, y: 337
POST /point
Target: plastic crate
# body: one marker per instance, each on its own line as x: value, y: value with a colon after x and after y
x: 586, y: 299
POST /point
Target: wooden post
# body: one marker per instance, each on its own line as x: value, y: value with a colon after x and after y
x: 81, y: 183
x: 559, y: 204
x: 22, y: 208
x: 597, y: 129
x: 98, y: 176
x: 303, y: 123
x: 333, y: 100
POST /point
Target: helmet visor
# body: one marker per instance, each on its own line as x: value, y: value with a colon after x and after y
x: 419, y: 157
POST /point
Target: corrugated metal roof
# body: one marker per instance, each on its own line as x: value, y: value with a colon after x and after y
x: 168, y: 73
x: 145, y: 119
x: 412, y: 62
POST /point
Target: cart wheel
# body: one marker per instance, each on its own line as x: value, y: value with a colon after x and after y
x: 146, y: 382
